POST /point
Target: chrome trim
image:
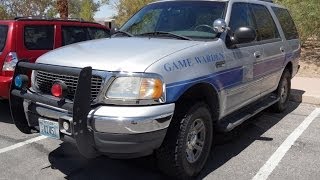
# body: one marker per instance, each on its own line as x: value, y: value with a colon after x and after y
x: 116, y: 119
x: 131, y: 120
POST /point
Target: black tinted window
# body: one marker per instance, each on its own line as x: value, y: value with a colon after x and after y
x: 241, y: 16
x: 266, y: 27
x: 96, y: 33
x: 71, y: 34
x: 39, y: 37
x: 3, y: 36
x: 287, y: 24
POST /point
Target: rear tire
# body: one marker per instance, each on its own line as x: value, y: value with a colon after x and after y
x: 283, y: 92
x: 187, y: 144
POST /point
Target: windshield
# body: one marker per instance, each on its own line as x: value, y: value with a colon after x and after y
x: 193, y: 19
x: 3, y: 36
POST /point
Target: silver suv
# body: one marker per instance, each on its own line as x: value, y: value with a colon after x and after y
x: 172, y: 77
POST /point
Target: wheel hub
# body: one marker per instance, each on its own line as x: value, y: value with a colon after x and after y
x: 284, y: 92
x: 195, y: 141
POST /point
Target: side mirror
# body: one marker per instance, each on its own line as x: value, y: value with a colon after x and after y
x: 244, y: 35
x: 219, y: 25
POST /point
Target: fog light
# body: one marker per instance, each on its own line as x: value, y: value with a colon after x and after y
x: 21, y: 81
x: 59, y: 89
x: 66, y: 125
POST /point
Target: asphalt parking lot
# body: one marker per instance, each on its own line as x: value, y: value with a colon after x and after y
x: 273, y: 146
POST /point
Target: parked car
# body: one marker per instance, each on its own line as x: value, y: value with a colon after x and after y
x: 29, y: 38
x: 174, y: 75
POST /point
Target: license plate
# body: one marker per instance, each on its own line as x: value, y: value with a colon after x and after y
x: 49, y: 128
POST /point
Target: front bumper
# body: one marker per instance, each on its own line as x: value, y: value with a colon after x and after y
x: 5, y: 86
x: 120, y: 131
x: 117, y: 131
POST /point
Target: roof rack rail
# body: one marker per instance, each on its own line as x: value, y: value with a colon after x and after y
x: 30, y: 17
x: 270, y: 1
x: 47, y: 18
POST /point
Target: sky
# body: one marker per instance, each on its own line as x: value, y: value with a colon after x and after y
x: 104, y: 12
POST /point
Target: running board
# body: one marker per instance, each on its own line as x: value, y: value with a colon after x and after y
x: 233, y: 120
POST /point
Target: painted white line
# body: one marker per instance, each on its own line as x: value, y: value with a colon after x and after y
x: 15, y: 146
x: 275, y: 159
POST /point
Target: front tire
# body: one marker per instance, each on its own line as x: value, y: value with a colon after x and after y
x: 187, y: 144
x: 283, y: 92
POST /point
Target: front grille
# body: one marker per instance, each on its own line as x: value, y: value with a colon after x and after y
x: 45, y: 80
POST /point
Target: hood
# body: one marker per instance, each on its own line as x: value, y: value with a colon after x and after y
x: 116, y: 54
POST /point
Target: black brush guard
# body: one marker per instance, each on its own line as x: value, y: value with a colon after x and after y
x: 80, y: 108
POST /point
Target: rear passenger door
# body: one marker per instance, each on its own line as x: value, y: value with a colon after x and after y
x: 271, y: 54
x: 291, y: 35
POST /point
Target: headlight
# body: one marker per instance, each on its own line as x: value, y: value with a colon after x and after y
x: 137, y: 88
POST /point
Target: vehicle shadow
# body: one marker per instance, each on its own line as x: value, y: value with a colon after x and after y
x: 67, y: 159
x: 5, y: 112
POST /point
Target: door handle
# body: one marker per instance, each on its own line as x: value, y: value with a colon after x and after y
x: 220, y: 64
x: 282, y: 49
x: 257, y: 54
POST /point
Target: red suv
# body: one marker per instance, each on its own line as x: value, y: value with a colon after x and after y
x: 29, y: 38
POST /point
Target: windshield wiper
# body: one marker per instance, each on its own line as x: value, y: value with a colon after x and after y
x: 161, y: 33
x: 123, y: 32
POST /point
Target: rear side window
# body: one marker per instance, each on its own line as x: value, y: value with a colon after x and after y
x: 97, y: 33
x: 3, y: 36
x: 287, y: 24
x: 266, y: 27
x: 39, y: 37
x: 73, y: 34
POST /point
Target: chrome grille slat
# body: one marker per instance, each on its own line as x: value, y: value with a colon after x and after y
x: 44, y: 81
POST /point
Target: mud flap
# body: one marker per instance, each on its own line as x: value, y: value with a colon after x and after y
x: 16, y: 104
x: 81, y: 108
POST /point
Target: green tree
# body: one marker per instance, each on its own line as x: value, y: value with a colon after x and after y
x: 49, y: 8
x: 87, y: 11
x: 127, y: 8
x: 3, y: 13
x: 306, y: 15
x: 14, y: 8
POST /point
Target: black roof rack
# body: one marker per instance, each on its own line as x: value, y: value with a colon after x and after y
x: 270, y: 1
x: 49, y: 19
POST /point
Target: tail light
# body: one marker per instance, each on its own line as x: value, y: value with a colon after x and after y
x: 10, y: 62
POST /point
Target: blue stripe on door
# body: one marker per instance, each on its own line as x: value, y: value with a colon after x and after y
x: 219, y: 80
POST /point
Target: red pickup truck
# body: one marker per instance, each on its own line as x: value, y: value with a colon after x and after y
x: 28, y: 38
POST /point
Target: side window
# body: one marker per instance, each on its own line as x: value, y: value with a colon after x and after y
x: 287, y: 24
x: 73, y: 34
x: 39, y: 37
x: 266, y: 27
x: 240, y: 16
x: 97, y: 33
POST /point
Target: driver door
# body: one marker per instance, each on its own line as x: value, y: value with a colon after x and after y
x: 243, y: 56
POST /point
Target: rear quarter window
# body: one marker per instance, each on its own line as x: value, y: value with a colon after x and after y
x: 3, y: 36
x: 39, y: 37
x: 287, y: 23
x: 97, y: 33
x: 74, y: 34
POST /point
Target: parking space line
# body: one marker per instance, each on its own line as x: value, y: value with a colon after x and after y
x: 276, y: 157
x: 15, y: 146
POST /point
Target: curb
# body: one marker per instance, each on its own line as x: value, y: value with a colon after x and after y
x: 304, y: 98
